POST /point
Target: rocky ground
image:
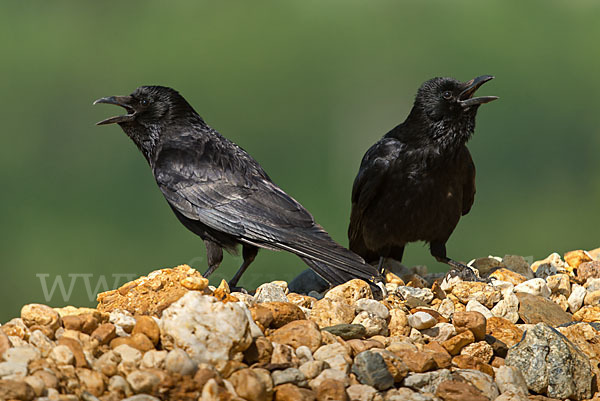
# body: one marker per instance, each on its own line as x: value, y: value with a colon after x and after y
x: 531, y: 333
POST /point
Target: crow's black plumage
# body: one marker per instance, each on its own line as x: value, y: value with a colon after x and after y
x: 219, y: 192
x: 418, y: 180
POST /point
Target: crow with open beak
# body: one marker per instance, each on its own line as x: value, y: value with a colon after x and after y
x: 418, y: 180
x: 219, y: 192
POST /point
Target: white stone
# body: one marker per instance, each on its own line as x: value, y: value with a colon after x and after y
x: 23, y: 354
x: 154, y: 359
x: 41, y: 342
x: 416, y: 336
x: 427, y: 382
x: 118, y: 384
x: 476, y: 306
x: 107, y: 362
x: 406, y: 394
x: 373, y: 323
x: 255, y: 331
x: 508, y: 308
x: 312, y: 369
x: 36, y: 383
x: 62, y: 355
x: 421, y: 320
x: 591, y: 284
x: 130, y: 359
x: 207, y: 329
x: 336, y: 356
x: 333, y: 374
x: 372, y: 306
x: 446, y: 308
x: 128, y: 353
x: 505, y: 287
x: 510, y: 396
x: 535, y: 286
x: 290, y: 375
x: 484, y: 382
x: 18, y: 341
x: 12, y: 370
x: 361, y: 392
x: 123, y: 321
x: 304, y: 354
x: 178, y: 361
x: 440, y: 332
x: 270, y: 292
x: 391, y: 287
x: 559, y: 284
x: 576, y: 298
x: 550, y: 266
x: 509, y: 378
x: 142, y: 381
x: 422, y: 294
x: 246, y: 299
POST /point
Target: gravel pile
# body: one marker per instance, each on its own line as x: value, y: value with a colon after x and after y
x: 530, y: 333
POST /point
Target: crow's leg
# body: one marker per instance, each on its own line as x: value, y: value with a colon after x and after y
x: 214, y: 255
x: 380, y: 265
x: 438, y: 251
x: 249, y: 252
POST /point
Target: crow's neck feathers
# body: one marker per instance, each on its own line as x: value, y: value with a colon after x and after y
x: 445, y: 135
x: 147, y: 134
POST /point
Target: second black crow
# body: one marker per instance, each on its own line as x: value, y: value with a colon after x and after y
x: 418, y: 180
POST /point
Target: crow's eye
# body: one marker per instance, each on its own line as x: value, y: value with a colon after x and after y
x: 144, y: 102
x: 447, y: 95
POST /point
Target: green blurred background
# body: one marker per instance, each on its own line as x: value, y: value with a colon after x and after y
x: 305, y: 87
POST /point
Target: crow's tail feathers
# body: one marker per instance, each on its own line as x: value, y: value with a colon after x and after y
x: 336, y: 264
x: 332, y: 261
x: 336, y: 276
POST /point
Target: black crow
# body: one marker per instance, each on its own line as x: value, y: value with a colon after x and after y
x: 219, y: 192
x: 417, y: 181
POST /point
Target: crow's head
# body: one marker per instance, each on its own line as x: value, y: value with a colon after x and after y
x: 446, y: 108
x: 150, y: 109
x: 147, y: 105
x: 449, y: 99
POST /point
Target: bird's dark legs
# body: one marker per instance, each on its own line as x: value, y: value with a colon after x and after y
x: 438, y: 251
x: 396, y: 253
x: 249, y: 252
x: 214, y: 255
x: 380, y: 265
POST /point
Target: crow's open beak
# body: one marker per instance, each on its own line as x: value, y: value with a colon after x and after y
x: 466, y: 99
x: 123, y: 101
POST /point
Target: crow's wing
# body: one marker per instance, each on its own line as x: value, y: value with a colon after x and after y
x: 368, y: 185
x: 469, y: 183
x: 373, y: 171
x: 218, y: 184
x: 213, y: 181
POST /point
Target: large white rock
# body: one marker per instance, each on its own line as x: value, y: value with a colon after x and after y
x: 207, y: 329
x: 535, y: 286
